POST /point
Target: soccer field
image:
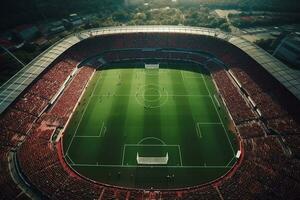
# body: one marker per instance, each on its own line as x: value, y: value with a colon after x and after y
x: 167, y: 114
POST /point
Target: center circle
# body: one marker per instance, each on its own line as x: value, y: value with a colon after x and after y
x: 151, y: 96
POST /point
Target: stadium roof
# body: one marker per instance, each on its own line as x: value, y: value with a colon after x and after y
x: 9, y: 91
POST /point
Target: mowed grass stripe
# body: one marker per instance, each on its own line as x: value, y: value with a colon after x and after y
x: 151, y: 115
x: 134, y: 129
x: 152, y: 127
x: 116, y: 121
x: 185, y: 121
x: 169, y: 124
x: 195, y: 85
x: 203, y: 108
x: 170, y: 127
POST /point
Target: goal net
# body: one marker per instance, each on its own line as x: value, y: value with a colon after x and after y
x: 152, y: 160
x: 151, y: 66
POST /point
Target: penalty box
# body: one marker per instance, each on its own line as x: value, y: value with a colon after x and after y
x: 130, y: 152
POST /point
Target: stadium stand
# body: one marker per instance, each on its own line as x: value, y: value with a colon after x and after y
x: 25, y: 104
x: 251, y: 130
x: 293, y: 143
x: 260, y: 172
x: 65, y: 105
x: 9, y: 190
x: 17, y: 121
x: 237, y: 106
x: 264, y: 171
x: 45, y: 154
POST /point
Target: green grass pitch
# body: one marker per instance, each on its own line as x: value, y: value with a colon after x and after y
x: 130, y: 110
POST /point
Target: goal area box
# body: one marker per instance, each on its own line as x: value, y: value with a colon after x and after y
x: 150, y: 155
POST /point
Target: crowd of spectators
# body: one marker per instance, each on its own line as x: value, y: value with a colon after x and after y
x: 9, y: 190
x: 66, y: 103
x: 17, y: 121
x: 251, y: 130
x: 202, y: 193
x: 236, y: 104
x: 47, y: 174
x: 9, y: 139
x: 265, y: 173
x: 293, y: 142
x: 286, y: 125
x: 25, y: 104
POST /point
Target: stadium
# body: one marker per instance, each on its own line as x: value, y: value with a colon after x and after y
x: 151, y: 112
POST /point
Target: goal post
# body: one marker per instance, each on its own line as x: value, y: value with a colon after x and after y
x: 151, y: 66
x: 152, y: 160
x: 151, y: 154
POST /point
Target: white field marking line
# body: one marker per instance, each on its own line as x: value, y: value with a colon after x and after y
x: 180, y: 157
x: 83, y: 113
x: 101, y: 133
x: 123, y: 156
x: 185, y: 76
x: 70, y: 159
x: 208, y: 123
x: 230, y: 161
x: 150, y: 145
x: 192, y: 77
x: 151, y: 166
x: 217, y: 100
x: 218, y: 115
x: 19, y: 84
x: 92, y: 136
x: 104, y: 131
x: 87, y: 136
x: 198, y: 130
x: 147, y: 138
x: 171, y: 95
